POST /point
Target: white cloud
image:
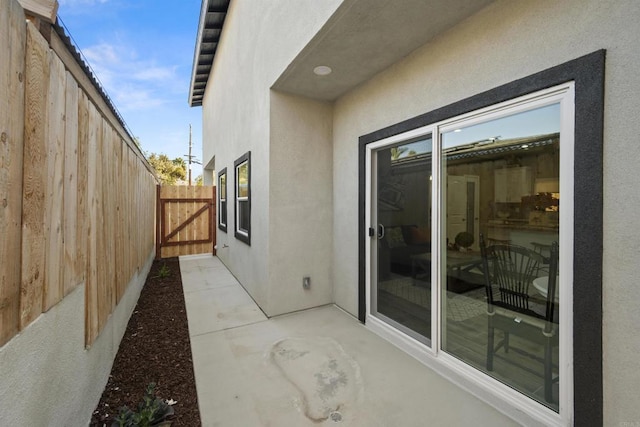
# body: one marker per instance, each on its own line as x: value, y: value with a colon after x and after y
x: 104, y: 53
x: 156, y: 74
x: 133, y: 83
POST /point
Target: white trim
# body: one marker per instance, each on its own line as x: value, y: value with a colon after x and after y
x: 436, y: 241
x: 369, y: 223
x: 509, y: 401
x: 412, y: 134
x: 405, y: 342
x: 221, y: 200
x: 241, y: 231
x: 567, y: 160
x: 524, y: 103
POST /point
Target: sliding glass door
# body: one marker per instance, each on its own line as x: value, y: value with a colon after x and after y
x: 468, y: 240
x: 401, y: 182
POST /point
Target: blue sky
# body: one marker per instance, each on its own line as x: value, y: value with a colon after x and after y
x: 142, y: 52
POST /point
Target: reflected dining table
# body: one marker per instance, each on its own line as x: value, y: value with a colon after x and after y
x: 460, y: 265
x: 541, y: 285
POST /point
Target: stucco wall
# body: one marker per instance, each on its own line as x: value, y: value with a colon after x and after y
x: 48, y: 377
x: 258, y: 42
x: 503, y: 42
x: 301, y: 206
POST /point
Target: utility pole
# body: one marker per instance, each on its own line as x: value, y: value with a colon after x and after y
x: 190, y: 146
x: 191, y: 158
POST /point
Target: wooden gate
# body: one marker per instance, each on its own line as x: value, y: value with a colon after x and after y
x: 186, y: 218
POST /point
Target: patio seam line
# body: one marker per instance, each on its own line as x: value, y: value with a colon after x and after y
x: 229, y: 328
x: 329, y: 304
x: 193, y: 291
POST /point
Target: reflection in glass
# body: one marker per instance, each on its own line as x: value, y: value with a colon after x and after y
x: 403, y: 293
x: 222, y: 215
x: 243, y: 180
x: 501, y: 220
x: 243, y: 216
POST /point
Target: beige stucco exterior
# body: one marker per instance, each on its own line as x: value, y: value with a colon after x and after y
x: 287, y: 182
x: 540, y: 35
x: 305, y: 152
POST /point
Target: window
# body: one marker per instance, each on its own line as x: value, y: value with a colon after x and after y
x: 444, y: 229
x: 222, y: 200
x: 500, y: 181
x: 243, y: 198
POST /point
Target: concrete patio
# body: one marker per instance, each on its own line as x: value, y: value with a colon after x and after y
x: 315, y: 367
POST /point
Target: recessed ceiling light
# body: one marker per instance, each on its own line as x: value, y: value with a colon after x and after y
x: 322, y: 70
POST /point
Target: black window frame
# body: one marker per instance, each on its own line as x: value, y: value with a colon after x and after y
x: 223, y: 210
x: 246, y: 157
x: 588, y: 74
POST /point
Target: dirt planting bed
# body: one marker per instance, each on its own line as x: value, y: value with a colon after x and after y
x: 155, y: 348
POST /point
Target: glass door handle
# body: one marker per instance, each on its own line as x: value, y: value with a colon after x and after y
x: 380, y: 231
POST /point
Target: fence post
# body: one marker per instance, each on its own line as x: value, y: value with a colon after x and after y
x: 158, y: 220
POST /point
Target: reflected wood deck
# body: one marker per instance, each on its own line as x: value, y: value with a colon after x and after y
x: 467, y: 340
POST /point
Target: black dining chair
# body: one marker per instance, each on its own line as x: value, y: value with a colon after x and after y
x: 509, y: 271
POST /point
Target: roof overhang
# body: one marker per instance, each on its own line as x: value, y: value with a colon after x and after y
x: 364, y: 37
x: 212, y: 17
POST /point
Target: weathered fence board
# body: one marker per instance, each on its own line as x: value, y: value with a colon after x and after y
x: 34, y: 177
x: 101, y: 228
x: 120, y: 271
x: 91, y: 281
x: 12, y: 43
x: 71, y: 273
x: 54, y: 194
x: 82, y: 227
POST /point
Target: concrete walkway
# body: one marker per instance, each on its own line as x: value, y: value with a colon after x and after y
x: 314, y: 367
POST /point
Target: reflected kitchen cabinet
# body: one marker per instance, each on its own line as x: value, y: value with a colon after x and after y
x: 512, y: 183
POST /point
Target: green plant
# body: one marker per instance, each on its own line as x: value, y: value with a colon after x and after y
x: 164, y: 271
x: 151, y: 411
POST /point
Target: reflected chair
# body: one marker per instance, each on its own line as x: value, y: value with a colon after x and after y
x: 494, y: 241
x: 509, y: 271
x: 544, y: 250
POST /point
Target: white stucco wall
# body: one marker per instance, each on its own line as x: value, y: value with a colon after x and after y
x: 48, y: 378
x: 300, y: 206
x: 503, y: 42
x: 260, y: 38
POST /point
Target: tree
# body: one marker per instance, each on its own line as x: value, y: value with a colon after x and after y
x: 199, y: 180
x: 169, y: 171
x: 396, y: 152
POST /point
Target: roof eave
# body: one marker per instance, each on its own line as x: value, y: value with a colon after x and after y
x: 208, y: 7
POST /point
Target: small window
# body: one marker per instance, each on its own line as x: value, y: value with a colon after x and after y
x: 222, y: 200
x: 243, y: 198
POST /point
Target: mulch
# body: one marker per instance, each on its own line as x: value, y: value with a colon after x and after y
x: 155, y: 348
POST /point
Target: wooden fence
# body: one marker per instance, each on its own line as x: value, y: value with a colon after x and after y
x: 77, y: 197
x: 186, y: 218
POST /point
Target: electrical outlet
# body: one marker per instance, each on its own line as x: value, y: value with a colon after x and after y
x: 306, y: 282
